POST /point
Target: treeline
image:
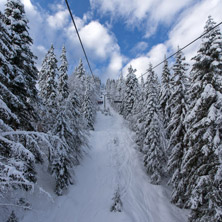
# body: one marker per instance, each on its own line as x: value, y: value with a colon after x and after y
x: 178, y: 125
x: 44, y: 118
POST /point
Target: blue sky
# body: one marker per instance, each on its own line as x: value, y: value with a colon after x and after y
x: 117, y: 33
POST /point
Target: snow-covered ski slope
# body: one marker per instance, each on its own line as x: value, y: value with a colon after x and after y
x: 112, y: 163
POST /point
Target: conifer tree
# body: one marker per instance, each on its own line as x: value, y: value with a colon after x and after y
x: 77, y: 123
x: 140, y: 117
x: 24, y: 76
x: 79, y: 80
x: 47, y: 79
x: 18, y: 151
x: 201, y: 165
x: 12, y: 217
x: 88, y: 108
x: 60, y: 166
x: 63, y: 90
x: 154, y: 156
x: 165, y: 94
x: 178, y: 107
x: 131, y: 92
x: 80, y: 71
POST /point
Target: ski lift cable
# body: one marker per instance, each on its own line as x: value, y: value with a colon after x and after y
x: 182, y: 48
x: 77, y: 32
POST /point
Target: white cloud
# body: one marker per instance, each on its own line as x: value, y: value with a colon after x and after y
x: 139, y: 47
x: 97, y: 39
x: 55, y: 27
x: 59, y: 20
x: 191, y: 25
x: 141, y: 64
x: 147, y: 12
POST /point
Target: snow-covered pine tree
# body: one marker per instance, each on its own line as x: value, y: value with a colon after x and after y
x: 12, y: 217
x: 77, y: 123
x: 154, y: 156
x: 177, y: 102
x: 59, y: 162
x: 140, y: 119
x: 78, y: 81
x: 142, y: 86
x: 47, y: 80
x: 201, y: 165
x: 48, y: 90
x: 63, y: 90
x: 131, y: 93
x: 80, y: 71
x: 117, y: 202
x: 165, y: 94
x: 24, y: 76
x: 18, y: 151
x: 88, y: 107
x: 6, y: 51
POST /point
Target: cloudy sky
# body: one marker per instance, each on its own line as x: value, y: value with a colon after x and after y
x: 117, y: 33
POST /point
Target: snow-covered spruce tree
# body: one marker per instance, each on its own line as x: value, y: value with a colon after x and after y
x: 120, y: 87
x: 61, y: 164
x: 140, y: 118
x: 131, y: 93
x: 165, y: 94
x: 142, y: 86
x: 154, y: 156
x: 88, y: 108
x: 68, y: 128
x: 77, y: 123
x: 48, y: 89
x: 117, y: 203
x: 78, y: 81
x: 80, y: 71
x: 24, y: 76
x: 12, y: 217
x: 63, y: 90
x: 18, y: 151
x: 177, y: 103
x: 201, y: 165
x: 6, y: 51
x: 47, y: 79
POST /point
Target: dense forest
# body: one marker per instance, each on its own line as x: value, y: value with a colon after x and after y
x: 43, y: 119
x: 178, y: 125
x: 46, y: 116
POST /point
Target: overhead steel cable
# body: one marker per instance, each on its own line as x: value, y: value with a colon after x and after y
x: 77, y: 32
x: 182, y: 48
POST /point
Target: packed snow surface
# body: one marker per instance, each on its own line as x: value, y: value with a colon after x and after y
x: 112, y: 163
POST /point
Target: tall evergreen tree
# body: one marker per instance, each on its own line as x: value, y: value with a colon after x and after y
x: 88, y: 108
x: 201, y: 166
x: 63, y: 90
x: 80, y: 71
x: 154, y: 156
x: 24, y: 76
x: 178, y: 107
x: 165, y: 94
x: 47, y: 79
x: 131, y: 92
x: 77, y: 123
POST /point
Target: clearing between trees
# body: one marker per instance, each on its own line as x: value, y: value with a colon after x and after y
x: 111, y: 166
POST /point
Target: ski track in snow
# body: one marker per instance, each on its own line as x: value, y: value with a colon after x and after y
x: 112, y: 163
